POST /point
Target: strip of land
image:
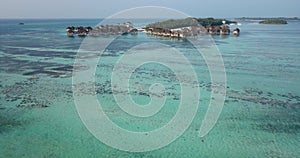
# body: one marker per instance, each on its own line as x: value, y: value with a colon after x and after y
x: 179, y: 28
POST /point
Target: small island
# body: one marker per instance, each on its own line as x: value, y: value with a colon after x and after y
x: 274, y: 21
x: 190, y: 27
x: 179, y: 28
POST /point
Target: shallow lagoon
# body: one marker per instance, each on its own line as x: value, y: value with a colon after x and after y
x: 260, y: 118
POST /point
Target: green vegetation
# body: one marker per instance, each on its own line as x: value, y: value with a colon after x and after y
x: 171, y: 24
x: 273, y: 21
x: 213, y: 22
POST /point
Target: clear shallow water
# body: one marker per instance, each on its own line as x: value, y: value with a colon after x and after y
x: 260, y: 118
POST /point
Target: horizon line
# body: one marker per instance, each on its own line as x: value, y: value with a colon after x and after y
x: 38, y: 18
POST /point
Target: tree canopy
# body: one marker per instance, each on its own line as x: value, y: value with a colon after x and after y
x: 171, y: 24
x: 273, y: 21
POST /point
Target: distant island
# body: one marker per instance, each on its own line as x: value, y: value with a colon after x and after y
x: 261, y: 18
x: 273, y: 21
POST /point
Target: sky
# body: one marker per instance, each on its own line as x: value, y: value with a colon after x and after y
x: 102, y: 9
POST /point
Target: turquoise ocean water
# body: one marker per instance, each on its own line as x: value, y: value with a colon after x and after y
x: 38, y: 117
